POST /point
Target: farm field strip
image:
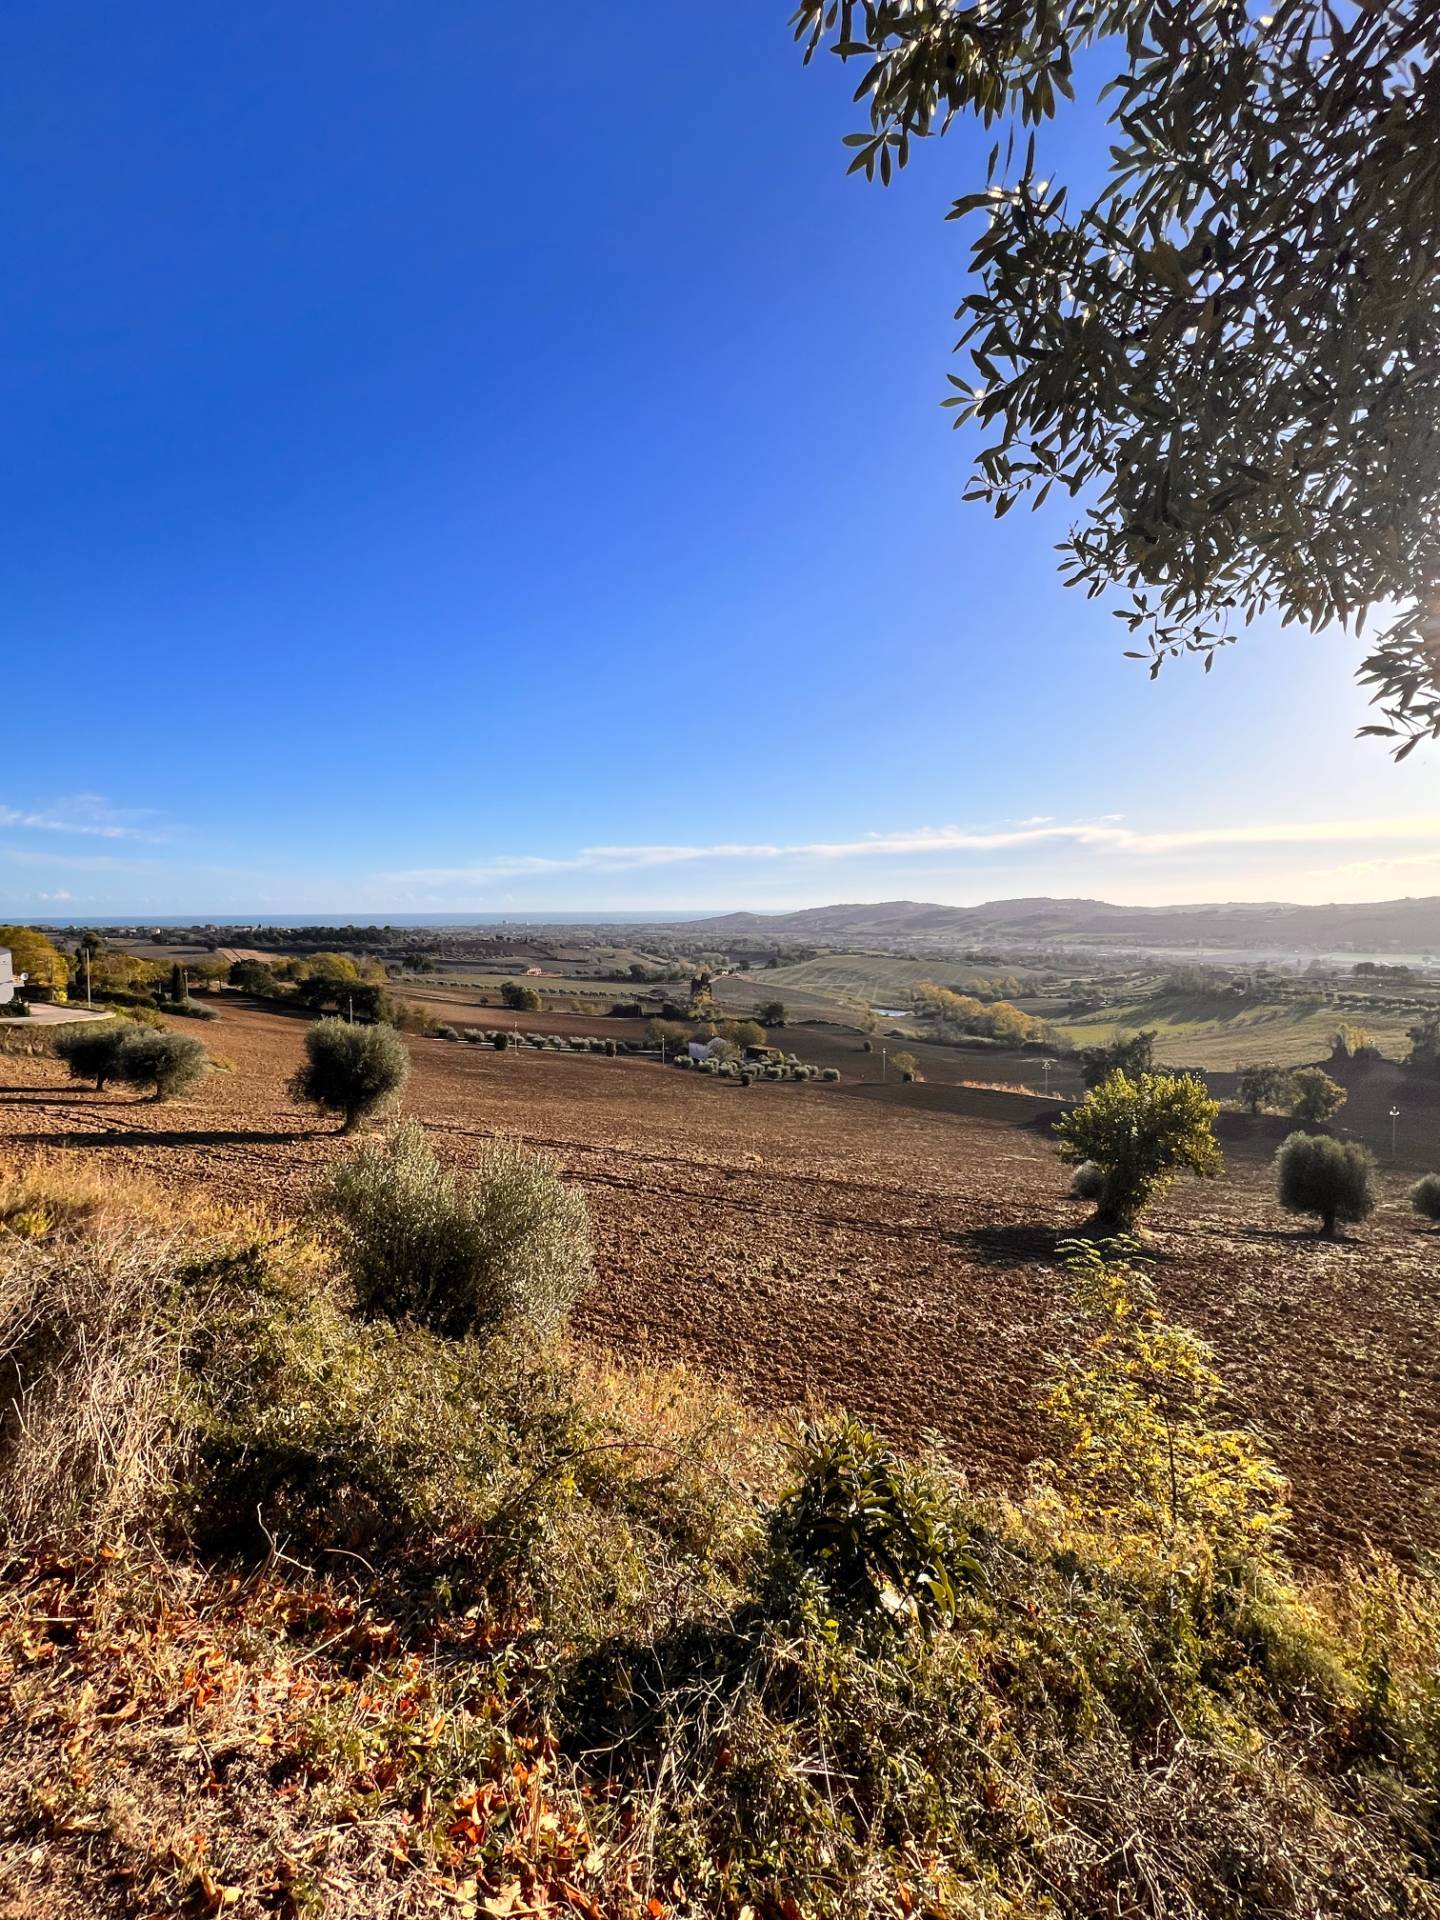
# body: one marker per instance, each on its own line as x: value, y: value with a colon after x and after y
x: 816, y: 1247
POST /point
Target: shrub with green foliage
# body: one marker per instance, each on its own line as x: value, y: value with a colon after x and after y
x: 1262, y: 1087
x: 92, y: 1050
x: 502, y: 1040
x: 457, y: 1253
x: 1141, y: 1133
x: 1425, y: 1197
x: 1334, y: 1179
x: 446, y: 1033
x: 1314, y: 1096
x: 1131, y: 1054
x: 888, y: 1541
x: 519, y: 998
x: 254, y: 977
x: 771, y: 1013
x: 169, y: 1064
x: 1088, y: 1182
x: 351, y: 1070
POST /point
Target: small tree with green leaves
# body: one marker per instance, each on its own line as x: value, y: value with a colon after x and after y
x: 169, y: 1064
x: 1262, y: 1087
x: 92, y: 1050
x: 1425, y: 1198
x: 351, y: 1070
x: 520, y: 998
x: 1136, y: 1411
x: 906, y: 1065
x: 1333, y: 1179
x: 1314, y: 1096
x: 1141, y: 1133
x: 771, y: 1014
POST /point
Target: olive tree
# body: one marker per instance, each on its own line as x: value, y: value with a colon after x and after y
x: 1334, y: 1179
x: 167, y: 1063
x: 92, y: 1050
x: 459, y: 1253
x: 1226, y: 351
x: 1140, y: 1133
x: 351, y: 1070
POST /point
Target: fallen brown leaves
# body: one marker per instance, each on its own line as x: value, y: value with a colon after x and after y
x: 189, y: 1744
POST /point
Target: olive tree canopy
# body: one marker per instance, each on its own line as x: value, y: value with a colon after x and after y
x: 1230, y: 357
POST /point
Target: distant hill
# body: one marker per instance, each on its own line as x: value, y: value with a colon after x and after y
x: 1405, y: 926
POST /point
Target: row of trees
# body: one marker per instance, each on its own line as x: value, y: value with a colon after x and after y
x: 960, y: 1013
x: 1306, y: 1093
x: 1128, y: 1139
x: 151, y: 1059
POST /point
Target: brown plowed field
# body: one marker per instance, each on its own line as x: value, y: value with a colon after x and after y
x: 815, y: 1245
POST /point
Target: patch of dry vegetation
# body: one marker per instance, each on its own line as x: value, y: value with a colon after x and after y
x: 309, y: 1612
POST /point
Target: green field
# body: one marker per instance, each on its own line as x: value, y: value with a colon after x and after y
x: 836, y: 984
x: 1212, y: 1030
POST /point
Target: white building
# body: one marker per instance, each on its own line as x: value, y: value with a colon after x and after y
x: 7, y: 977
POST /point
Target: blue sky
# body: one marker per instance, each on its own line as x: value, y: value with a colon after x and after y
x: 448, y: 466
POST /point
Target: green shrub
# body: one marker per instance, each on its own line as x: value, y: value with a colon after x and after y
x: 92, y: 1050
x: 502, y: 1040
x: 1132, y: 1055
x: 1314, y: 1096
x: 254, y: 977
x: 1088, y: 1182
x: 610, y: 1049
x: 446, y: 1033
x: 1425, y: 1197
x: 351, y: 1070
x: 885, y: 1538
x: 167, y: 1063
x: 474, y: 1036
x: 867, y: 1046
x: 457, y: 1253
x: 1334, y: 1179
x: 830, y: 1073
x: 520, y: 998
x: 192, y: 1010
x: 1265, y: 1086
x: 1140, y: 1134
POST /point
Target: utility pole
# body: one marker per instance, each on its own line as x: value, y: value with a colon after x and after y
x: 1394, y: 1117
x: 1047, y: 1065
x: 884, y: 1056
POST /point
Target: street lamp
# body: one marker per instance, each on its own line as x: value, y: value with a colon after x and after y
x: 883, y: 1056
x: 1394, y: 1116
x: 1047, y: 1065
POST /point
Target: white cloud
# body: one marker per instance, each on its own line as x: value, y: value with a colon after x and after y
x: 1105, y: 835
x: 86, y: 814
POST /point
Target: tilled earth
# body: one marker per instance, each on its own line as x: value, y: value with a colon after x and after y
x: 819, y: 1248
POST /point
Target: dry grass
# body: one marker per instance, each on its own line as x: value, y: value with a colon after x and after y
x: 91, y: 1372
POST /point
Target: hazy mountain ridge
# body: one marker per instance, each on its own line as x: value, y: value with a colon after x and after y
x: 1411, y: 925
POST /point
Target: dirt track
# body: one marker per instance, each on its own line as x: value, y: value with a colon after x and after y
x: 814, y: 1245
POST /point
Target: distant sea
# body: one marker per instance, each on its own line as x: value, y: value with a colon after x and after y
x: 614, y: 918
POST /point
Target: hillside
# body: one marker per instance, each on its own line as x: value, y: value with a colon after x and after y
x: 1404, y: 926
